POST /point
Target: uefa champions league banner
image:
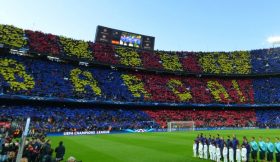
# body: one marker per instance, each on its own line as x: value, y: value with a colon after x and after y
x: 85, y: 133
x: 78, y: 133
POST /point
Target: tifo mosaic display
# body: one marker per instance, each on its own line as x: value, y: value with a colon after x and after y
x: 35, y: 77
x: 263, y: 61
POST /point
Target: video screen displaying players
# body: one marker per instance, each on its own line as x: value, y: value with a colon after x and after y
x: 118, y: 37
x: 131, y: 40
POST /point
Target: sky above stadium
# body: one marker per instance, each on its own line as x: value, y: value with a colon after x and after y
x: 189, y: 25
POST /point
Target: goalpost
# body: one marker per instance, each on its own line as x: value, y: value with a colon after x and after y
x: 180, y: 126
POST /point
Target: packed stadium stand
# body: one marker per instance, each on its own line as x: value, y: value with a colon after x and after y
x: 36, y: 66
x: 61, y: 119
x: 207, y: 118
x: 49, y: 78
x: 89, y: 118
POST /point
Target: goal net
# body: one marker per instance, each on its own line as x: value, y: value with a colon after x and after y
x: 180, y: 126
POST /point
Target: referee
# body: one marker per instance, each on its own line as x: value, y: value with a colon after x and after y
x: 255, y: 148
x: 270, y: 150
x: 262, y: 146
x: 277, y: 149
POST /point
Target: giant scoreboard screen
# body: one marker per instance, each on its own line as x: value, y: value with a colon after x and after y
x: 118, y: 37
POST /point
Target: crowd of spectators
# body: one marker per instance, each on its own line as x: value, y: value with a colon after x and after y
x: 43, y: 43
x: 59, y: 119
x: 8, y: 148
x: 263, y: 118
x: 104, y: 53
x: 128, y: 56
x: 12, y: 36
x: 206, y: 118
x: 265, y: 60
x: 267, y: 90
x: 47, y: 119
x: 268, y: 118
x: 170, y: 61
x: 44, y: 78
x: 76, y: 48
x: 238, y: 62
x: 36, y: 148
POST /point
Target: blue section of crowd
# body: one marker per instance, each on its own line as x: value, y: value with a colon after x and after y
x: 268, y: 118
x: 267, y: 90
x: 265, y: 60
x: 52, y: 79
x: 60, y: 119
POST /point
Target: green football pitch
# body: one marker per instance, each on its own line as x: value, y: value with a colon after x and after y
x: 144, y: 147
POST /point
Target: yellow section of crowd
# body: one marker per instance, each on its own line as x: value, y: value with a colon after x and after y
x: 76, y: 48
x: 217, y: 90
x: 13, y: 36
x: 10, y: 69
x: 174, y: 84
x: 135, y: 85
x: 129, y: 57
x: 237, y: 62
x: 170, y: 62
x: 80, y: 84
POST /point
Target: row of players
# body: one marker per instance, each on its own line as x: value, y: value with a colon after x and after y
x: 217, y: 149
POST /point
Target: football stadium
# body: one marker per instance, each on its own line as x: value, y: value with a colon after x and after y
x: 126, y: 97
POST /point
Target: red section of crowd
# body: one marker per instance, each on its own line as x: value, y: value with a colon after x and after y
x: 206, y: 118
x: 151, y: 60
x: 190, y: 63
x: 104, y: 53
x: 224, y: 90
x: 43, y: 43
x: 157, y: 87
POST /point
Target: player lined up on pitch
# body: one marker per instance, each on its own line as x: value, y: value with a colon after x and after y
x: 218, y: 149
